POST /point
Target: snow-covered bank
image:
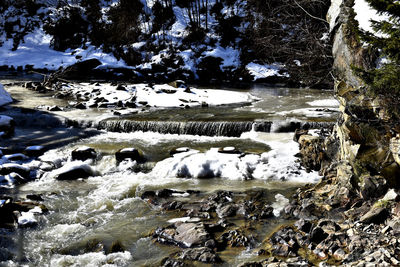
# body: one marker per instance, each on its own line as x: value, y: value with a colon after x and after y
x: 5, y: 97
x: 35, y: 51
x: 163, y: 95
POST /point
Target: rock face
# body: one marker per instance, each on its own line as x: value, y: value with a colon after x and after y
x: 357, y: 197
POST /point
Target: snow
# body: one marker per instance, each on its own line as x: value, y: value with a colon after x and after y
x: 70, y: 166
x: 365, y: 13
x: 156, y: 96
x: 27, y: 218
x: 277, y: 164
x: 263, y: 71
x: 229, y: 55
x: 5, y: 97
x: 36, y: 51
x: 333, y: 13
x: 34, y: 148
x: 324, y: 103
x: 14, y: 156
x: 5, y: 120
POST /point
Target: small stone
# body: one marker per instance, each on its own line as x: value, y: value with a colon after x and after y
x: 339, y: 254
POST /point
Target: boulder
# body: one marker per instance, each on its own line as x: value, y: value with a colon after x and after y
x: 372, y: 187
x: 7, y: 126
x: 178, y: 84
x: 73, y: 172
x: 183, y: 234
x: 34, y: 151
x: 202, y: 254
x: 83, y: 153
x: 375, y: 215
x: 129, y: 153
x: 8, y: 168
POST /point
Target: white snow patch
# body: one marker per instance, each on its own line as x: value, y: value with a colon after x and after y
x: 36, y: 51
x: 280, y: 203
x: 69, y: 166
x: 156, y: 95
x: 324, y: 103
x: 5, y: 97
x: 229, y: 55
x: 27, y: 218
x: 365, y: 13
x: 263, y: 71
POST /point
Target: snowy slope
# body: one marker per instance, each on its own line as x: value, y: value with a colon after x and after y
x: 36, y: 51
x: 5, y: 97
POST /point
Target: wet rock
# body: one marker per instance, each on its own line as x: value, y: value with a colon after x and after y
x: 80, y: 106
x: 34, y: 197
x: 236, y: 238
x: 339, y: 254
x: 168, y: 262
x: 15, y: 157
x: 74, y: 172
x: 182, y: 234
x: 116, y: 246
x: 129, y: 153
x: 318, y: 235
x: 312, y: 153
x: 372, y: 187
x: 54, y: 108
x: 120, y: 87
x: 179, y: 150
x: 304, y: 225
x: 83, y: 153
x: 8, y: 168
x: 34, y: 151
x: 267, y: 212
x: 178, y: 84
x: 298, y: 133
x: 203, y: 254
x: 284, y: 243
x: 375, y: 215
x: 226, y: 210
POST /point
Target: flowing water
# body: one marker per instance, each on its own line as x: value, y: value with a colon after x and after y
x: 107, y: 208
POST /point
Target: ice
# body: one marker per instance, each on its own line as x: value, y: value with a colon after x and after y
x: 5, y: 97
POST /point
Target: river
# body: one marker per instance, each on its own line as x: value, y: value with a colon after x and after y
x: 88, y: 217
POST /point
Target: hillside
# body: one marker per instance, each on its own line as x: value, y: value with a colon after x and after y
x: 203, y: 40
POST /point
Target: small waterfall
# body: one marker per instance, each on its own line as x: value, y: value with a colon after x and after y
x: 221, y: 128
x: 291, y: 126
